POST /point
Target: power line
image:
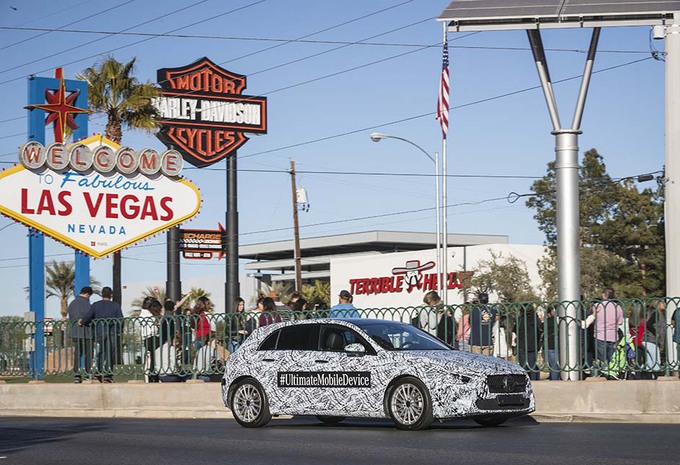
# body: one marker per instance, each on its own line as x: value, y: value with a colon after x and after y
x: 374, y: 173
x: 306, y: 41
x: 134, y: 43
x: 60, y: 28
x: 432, y: 113
x: 320, y: 31
x: 511, y: 198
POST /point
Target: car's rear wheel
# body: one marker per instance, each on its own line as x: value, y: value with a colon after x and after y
x: 249, y: 404
x: 489, y: 422
x: 409, y: 404
x: 330, y: 420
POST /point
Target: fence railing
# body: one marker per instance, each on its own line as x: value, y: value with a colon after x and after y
x: 627, y: 338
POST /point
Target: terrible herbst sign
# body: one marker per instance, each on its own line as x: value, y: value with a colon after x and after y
x: 203, y: 114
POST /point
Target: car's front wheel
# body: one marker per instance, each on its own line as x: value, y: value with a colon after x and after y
x: 409, y: 404
x: 249, y: 404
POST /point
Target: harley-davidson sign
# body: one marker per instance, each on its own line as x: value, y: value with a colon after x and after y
x: 96, y: 196
x: 203, y: 114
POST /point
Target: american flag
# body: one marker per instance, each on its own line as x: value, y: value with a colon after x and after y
x: 443, y: 100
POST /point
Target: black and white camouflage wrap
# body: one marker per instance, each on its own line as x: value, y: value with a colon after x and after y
x: 455, y: 379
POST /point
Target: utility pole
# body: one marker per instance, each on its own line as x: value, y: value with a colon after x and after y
x: 296, y: 228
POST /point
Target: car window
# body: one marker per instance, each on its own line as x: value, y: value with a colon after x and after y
x: 399, y: 336
x: 270, y: 342
x: 299, y: 337
x: 337, y: 337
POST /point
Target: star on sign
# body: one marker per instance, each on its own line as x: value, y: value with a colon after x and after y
x: 60, y: 108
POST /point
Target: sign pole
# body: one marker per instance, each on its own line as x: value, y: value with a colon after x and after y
x: 173, y: 285
x: 36, y: 246
x: 232, y: 285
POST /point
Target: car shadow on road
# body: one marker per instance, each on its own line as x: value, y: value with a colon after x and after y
x: 16, y: 438
x: 378, y: 423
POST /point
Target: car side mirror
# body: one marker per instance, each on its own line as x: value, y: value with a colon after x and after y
x: 355, y: 349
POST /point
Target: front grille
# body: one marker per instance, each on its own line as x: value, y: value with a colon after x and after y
x: 512, y: 402
x: 506, y: 384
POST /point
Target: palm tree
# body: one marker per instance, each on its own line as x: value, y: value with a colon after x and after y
x: 114, y: 92
x: 319, y: 293
x: 60, y: 281
x: 155, y: 292
x: 195, y: 293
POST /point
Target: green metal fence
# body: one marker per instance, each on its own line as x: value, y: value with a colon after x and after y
x: 179, y: 347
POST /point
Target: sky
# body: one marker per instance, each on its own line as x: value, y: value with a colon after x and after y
x: 333, y: 73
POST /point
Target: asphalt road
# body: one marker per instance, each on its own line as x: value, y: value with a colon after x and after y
x: 305, y: 441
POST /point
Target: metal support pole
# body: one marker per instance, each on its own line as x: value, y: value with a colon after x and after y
x: 440, y: 287
x: 445, y: 233
x: 296, y: 231
x: 568, y: 220
x: 173, y: 284
x: 233, y: 285
x: 672, y: 175
x: 568, y: 268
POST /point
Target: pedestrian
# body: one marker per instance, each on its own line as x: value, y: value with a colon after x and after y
x: 608, y: 317
x: 675, y: 323
x: 428, y: 318
x: 209, y: 361
x: 655, y: 340
x: 107, y: 332
x: 528, y: 340
x: 200, y: 321
x: 269, y: 314
x: 446, y: 326
x: 169, y: 367
x: 300, y: 309
x: 482, y: 318
x: 500, y: 339
x: 280, y: 306
x: 344, y: 308
x: 185, y: 335
x: 149, y: 317
x: 294, y: 297
x: 240, y: 326
x: 551, y: 343
x: 81, y: 336
x: 463, y: 331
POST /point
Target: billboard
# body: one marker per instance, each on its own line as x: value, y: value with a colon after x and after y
x: 202, y: 244
x: 203, y: 113
x: 96, y: 196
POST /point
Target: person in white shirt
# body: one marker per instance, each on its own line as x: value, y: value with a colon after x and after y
x: 209, y: 360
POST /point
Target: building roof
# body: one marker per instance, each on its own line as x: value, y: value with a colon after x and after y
x: 317, y: 251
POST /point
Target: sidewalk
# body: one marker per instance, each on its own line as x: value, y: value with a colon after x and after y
x: 643, y: 401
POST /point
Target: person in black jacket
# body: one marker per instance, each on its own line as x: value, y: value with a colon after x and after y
x: 528, y: 340
x: 108, y: 324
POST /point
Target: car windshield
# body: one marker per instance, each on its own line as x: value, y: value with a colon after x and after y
x: 393, y: 335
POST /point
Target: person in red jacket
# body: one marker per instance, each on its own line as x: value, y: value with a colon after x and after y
x: 200, y: 322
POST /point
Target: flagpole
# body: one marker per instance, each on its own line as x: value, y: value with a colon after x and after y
x: 445, y: 237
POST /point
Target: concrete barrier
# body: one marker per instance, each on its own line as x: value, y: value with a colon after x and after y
x: 618, y: 401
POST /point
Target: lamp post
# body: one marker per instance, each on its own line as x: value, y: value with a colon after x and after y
x: 377, y: 137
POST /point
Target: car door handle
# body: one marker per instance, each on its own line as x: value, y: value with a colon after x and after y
x: 321, y: 361
x: 268, y: 360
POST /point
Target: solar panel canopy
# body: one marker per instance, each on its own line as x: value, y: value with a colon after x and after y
x: 480, y: 15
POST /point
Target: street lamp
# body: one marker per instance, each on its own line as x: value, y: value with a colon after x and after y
x: 377, y: 137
